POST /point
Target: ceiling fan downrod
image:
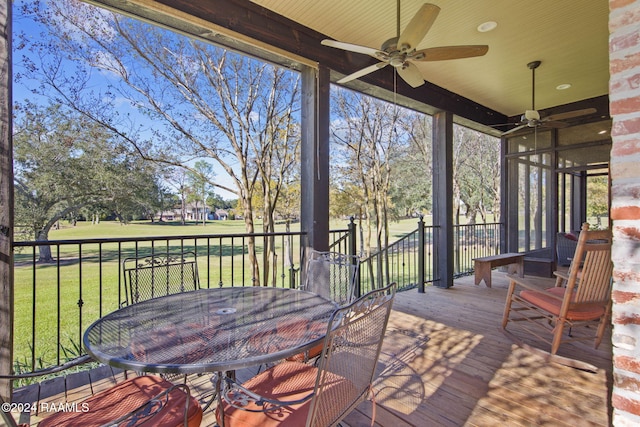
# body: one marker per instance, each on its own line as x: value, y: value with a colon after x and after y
x: 532, y: 66
x: 398, y: 19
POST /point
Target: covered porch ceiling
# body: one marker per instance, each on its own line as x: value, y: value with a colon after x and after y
x: 569, y: 37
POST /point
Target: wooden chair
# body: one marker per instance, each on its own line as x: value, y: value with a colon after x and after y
x: 159, y: 275
x: 581, y: 296
x: 298, y: 394
x: 140, y: 400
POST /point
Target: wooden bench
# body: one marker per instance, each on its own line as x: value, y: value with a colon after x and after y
x: 482, y: 266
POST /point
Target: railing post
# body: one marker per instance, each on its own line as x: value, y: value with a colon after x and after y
x: 353, y: 251
x: 289, y: 255
x: 421, y: 261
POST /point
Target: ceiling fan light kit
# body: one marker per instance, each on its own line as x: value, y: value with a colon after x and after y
x: 400, y: 51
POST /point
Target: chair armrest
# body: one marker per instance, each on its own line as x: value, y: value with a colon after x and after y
x: 52, y: 370
x: 561, y: 274
x: 240, y: 397
x: 530, y: 283
x: 152, y: 407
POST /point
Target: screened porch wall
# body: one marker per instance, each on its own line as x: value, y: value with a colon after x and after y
x: 552, y: 177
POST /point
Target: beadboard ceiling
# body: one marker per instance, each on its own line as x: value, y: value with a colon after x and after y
x: 570, y: 37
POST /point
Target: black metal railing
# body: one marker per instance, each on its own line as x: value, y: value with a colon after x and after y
x: 474, y: 241
x: 407, y: 262
x: 55, y: 302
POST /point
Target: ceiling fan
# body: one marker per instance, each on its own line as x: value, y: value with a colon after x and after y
x: 531, y: 118
x: 400, y: 51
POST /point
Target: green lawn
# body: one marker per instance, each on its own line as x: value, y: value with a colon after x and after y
x: 85, y: 230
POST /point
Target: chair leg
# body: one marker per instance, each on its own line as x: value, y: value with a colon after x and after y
x: 507, y: 305
x: 602, y: 325
x: 557, y: 335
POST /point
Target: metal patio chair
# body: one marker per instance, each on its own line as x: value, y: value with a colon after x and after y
x: 139, y: 400
x: 159, y: 275
x: 332, y: 275
x: 297, y: 394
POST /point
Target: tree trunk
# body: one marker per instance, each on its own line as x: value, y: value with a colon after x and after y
x: 44, y: 250
x: 251, y: 245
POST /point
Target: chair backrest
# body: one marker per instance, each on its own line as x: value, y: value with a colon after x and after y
x: 159, y: 275
x: 349, y: 357
x: 591, y: 267
x: 332, y: 275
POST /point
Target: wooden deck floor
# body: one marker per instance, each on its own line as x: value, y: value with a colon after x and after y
x: 447, y: 362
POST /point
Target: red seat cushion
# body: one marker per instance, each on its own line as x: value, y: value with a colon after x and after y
x: 545, y: 300
x: 285, y: 334
x: 286, y: 381
x: 125, y: 397
x: 317, y: 329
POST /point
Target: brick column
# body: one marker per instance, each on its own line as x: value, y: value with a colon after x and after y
x: 624, y: 95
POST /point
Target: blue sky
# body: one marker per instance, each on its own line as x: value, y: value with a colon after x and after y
x: 23, y: 87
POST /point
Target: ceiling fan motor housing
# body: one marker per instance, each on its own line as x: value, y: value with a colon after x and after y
x: 400, y: 51
x: 531, y: 115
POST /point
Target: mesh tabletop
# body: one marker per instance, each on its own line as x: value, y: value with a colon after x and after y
x: 210, y: 330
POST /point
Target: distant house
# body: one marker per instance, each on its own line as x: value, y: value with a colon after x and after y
x: 222, y: 214
x: 196, y: 212
x: 192, y: 212
x: 167, y: 215
x: 219, y: 214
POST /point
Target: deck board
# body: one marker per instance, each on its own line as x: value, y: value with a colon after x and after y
x: 447, y: 362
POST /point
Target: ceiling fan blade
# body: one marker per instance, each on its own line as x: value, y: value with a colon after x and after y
x: 354, y: 48
x: 418, y: 27
x: 553, y: 124
x: 569, y: 115
x: 443, y: 53
x: 411, y: 74
x: 363, y: 72
x: 515, y: 129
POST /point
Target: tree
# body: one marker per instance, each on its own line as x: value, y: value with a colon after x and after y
x: 368, y: 140
x: 412, y: 183
x: 476, y: 173
x: 198, y: 101
x: 199, y: 179
x: 65, y: 163
x: 598, y: 199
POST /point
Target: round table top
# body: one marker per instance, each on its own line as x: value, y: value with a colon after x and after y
x: 210, y: 330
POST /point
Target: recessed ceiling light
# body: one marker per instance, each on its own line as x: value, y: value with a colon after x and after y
x: 563, y: 86
x: 487, y: 26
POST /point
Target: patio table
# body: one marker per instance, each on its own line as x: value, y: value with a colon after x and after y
x: 210, y: 330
